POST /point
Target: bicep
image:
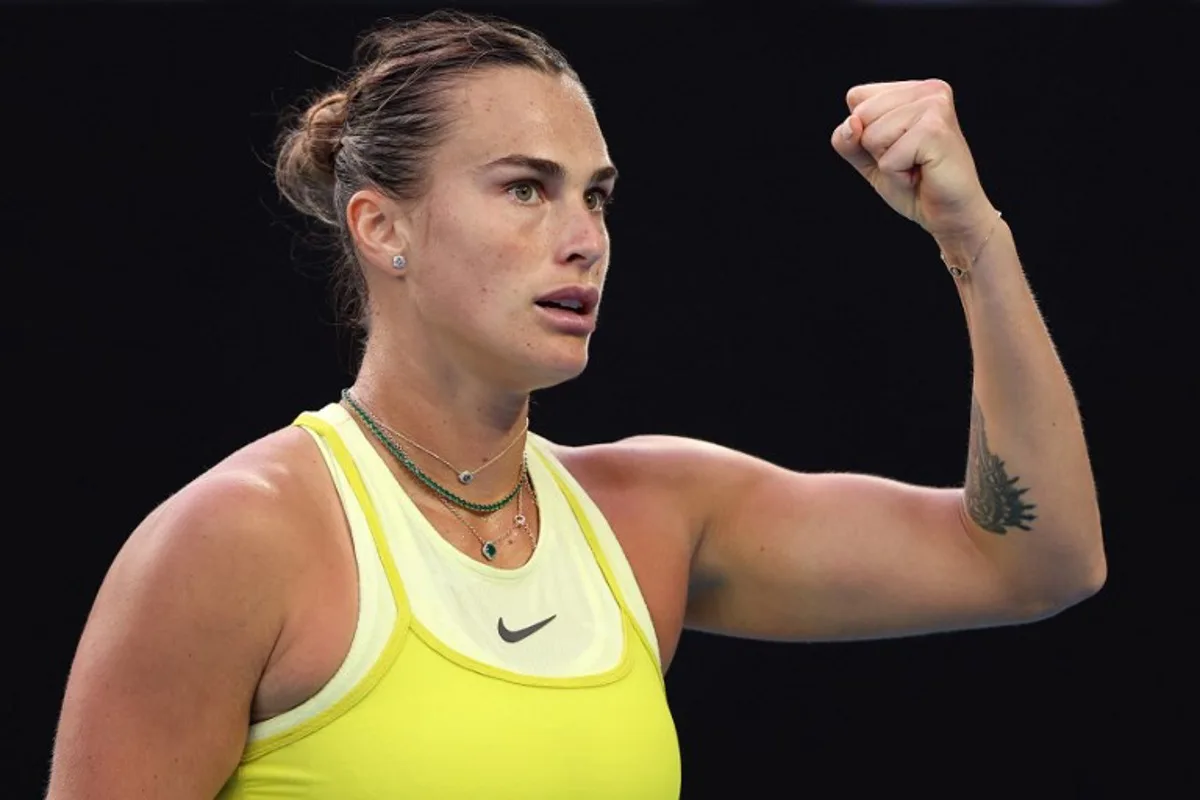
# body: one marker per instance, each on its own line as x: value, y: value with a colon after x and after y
x: 840, y: 556
x: 158, y: 699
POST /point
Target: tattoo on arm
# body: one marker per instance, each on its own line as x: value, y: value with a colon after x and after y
x: 992, y: 498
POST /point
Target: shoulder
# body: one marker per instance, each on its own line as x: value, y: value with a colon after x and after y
x: 663, y: 477
x: 184, y: 624
x: 236, y: 547
x: 656, y: 462
x: 265, y: 485
x: 248, y: 519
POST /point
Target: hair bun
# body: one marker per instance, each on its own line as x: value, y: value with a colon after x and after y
x: 323, y: 124
x: 305, y: 167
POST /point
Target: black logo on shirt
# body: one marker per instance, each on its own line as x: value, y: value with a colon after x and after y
x: 516, y: 636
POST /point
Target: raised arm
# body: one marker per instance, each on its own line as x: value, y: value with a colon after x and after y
x: 159, y: 697
x: 786, y: 555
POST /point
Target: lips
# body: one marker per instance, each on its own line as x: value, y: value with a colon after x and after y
x: 579, y: 299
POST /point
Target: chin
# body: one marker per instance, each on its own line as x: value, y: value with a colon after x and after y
x: 559, y: 367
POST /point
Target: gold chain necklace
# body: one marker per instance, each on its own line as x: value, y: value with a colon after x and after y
x: 488, y: 547
x: 465, y: 476
x: 388, y: 442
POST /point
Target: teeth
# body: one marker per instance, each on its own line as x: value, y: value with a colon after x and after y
x: 573, y: 305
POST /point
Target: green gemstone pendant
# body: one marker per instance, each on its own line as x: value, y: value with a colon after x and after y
x: 489, y: 550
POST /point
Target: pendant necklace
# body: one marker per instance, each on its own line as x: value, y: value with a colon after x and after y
x: 488, y: 547
x: 465, y: 476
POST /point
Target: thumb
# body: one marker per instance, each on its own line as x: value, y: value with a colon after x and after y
x: 847, y: 141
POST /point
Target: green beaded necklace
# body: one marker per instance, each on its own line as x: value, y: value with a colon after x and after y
x: 419, y: 474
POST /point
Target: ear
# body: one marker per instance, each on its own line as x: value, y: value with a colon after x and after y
x: 379, y: 227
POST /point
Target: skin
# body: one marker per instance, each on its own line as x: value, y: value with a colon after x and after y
x: 236, y: 599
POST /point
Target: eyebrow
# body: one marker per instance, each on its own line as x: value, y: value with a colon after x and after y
x: 547, y: 168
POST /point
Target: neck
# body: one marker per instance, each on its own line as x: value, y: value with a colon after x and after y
x: 464, y: 419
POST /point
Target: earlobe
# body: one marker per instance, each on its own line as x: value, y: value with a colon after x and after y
x: 377, y: 230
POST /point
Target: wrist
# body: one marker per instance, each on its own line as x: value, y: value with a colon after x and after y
x: 962, y: 249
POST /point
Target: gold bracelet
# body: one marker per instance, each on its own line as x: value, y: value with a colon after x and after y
x: 958, y: 271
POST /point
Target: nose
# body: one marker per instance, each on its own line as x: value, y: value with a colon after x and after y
x: 585, y: 239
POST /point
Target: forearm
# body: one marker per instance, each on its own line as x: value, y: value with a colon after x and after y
x: 1029, y: 495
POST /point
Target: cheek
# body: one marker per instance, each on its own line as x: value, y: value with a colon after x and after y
x: 495, y: 268
x: 475, y: 238
x: 508, y: 256
x: 483, y: 260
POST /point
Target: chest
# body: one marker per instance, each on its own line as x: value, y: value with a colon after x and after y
x: 652, y: 538
x: 587, y: 738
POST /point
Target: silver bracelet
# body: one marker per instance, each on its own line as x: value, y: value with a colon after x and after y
x: 958, y: 271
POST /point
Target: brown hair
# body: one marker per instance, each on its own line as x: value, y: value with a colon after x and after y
x: 380, y: 125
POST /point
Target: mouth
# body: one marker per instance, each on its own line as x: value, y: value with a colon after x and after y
x: 570, y: 310
x: 580, y: 300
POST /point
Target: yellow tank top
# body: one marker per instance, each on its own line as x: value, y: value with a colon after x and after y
x: 467, y: 681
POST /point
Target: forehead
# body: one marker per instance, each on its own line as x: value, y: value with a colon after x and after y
x: 501, y: 111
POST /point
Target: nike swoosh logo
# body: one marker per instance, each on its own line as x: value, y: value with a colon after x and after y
x: 516, y: 636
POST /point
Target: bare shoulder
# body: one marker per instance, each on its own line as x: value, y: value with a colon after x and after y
x: 247, y: 517
x: 642, y: 458
x: 183, y: 626
x: 681, y: 472
x: 629, y: 473
x: 258, y: 504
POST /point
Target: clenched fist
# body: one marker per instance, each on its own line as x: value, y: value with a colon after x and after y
x: 905, y: 140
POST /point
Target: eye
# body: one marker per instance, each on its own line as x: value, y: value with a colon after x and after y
x: 524, y: 191
x: 598, y: 199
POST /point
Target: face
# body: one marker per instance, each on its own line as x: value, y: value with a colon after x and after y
x: 508, y: 248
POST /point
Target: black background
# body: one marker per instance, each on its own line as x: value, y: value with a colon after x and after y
x: 165, y: 310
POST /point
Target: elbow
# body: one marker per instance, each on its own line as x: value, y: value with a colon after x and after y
x: 1068, y: 592
x: 1098, y: 576
x: 1092, y: 575
x: 1088, y: 585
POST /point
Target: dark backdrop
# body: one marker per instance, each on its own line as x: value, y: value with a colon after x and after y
x: 165, y: 310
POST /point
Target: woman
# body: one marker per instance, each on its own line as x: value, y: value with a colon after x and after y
x: 408, y: 594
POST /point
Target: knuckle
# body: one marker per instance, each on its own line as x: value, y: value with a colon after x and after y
x: 941, y: 87
x: 871, y: 142
x: 940, y: 103
x: 936, y: 124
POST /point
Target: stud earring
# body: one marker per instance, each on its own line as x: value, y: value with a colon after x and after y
x: 399, y: 262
